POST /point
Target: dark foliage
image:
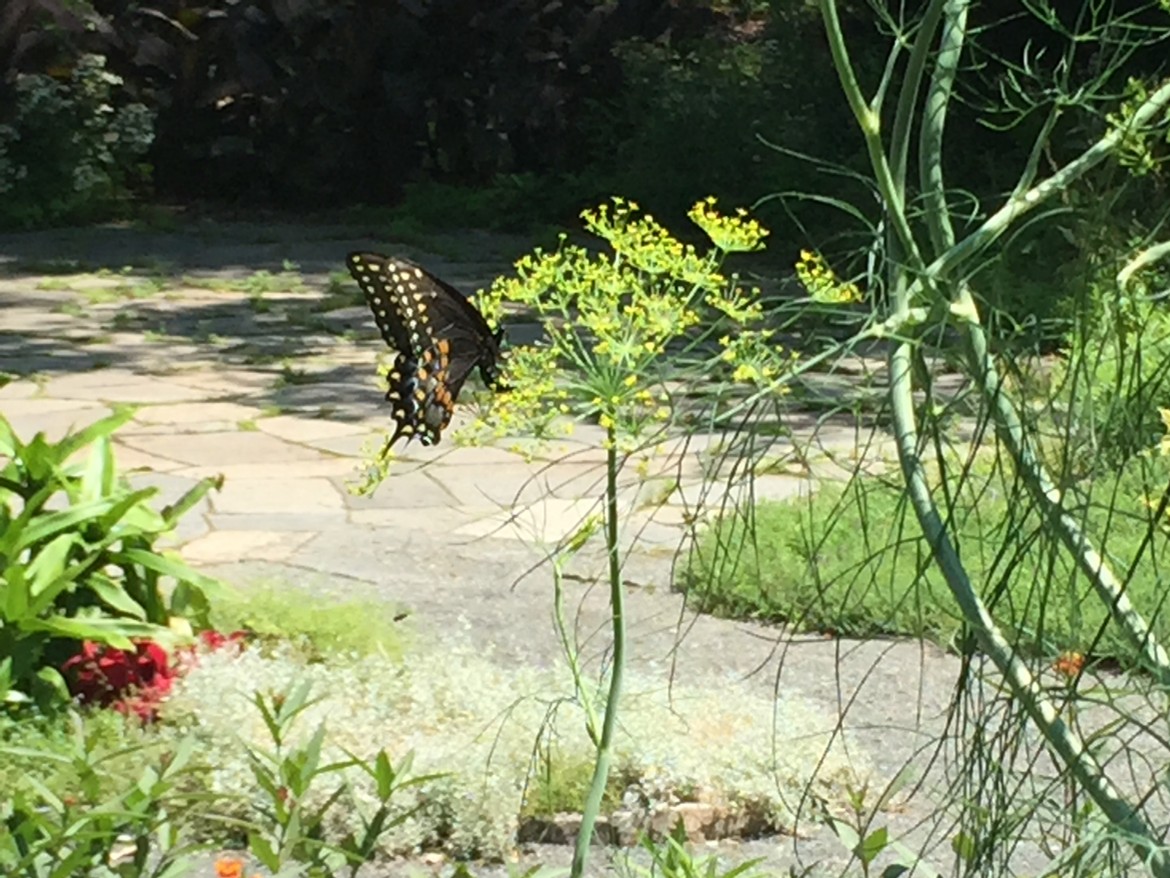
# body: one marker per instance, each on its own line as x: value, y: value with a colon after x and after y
x: 43, y: 36
x: 337, y: 102
x: 310, y: 101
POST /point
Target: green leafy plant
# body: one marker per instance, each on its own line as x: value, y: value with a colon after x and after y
x: 1115, y: 376
x: 104, y: 826
x: 560, y: 782
x: 672, y: 858
x: 292, y: 833
x: 866, y: 842
x: 929, y: 254
x: 78, y: 559
x: 611, y: 318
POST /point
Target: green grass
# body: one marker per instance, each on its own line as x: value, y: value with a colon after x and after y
x: 317, y: 626
x: 124, y: 319
x: 290, y: 376
x: 131, y: 286
x: 142, y: 288
x: 262, y: 359
x: 73, y: 309
x: 153, y: 266
x: 54, y: 284
x: 340, y: 292
x: 339, y: 283
x: 256, y: 284
x: 560, y: 783
x: 851, y: 561
x: 98, y: 338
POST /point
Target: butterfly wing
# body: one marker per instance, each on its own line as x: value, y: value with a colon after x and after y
x: 439, y: 335
x: 377, y: 278
x: 423, y: 391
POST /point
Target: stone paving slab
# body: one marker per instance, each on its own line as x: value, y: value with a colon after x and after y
x: 419, y: 489
x: 132, y: 459
x: 209, y: 449
x: 275, y: 495
x: 185, y: 415
x: 222, y: 546
x: 349, y: 445
x: 280, y: 522
x: 303, y: 430
x: 320, y: 466
x: 55, y: 420
x: 218, y: 382
x: 549, y: 522
x: 18, y: 390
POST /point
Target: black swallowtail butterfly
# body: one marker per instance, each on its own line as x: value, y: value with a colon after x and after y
x: 439, y: 337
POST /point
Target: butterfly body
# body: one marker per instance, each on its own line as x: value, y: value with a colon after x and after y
x: 439, y: 337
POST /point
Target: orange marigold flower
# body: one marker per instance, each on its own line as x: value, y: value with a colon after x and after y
x: 1069, y: 664
x: 229, y: 867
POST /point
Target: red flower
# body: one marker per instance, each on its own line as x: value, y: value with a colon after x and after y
x: 209, y: 641
x: 133, y: 683
x: 130, y: 682
x: 213, y: 640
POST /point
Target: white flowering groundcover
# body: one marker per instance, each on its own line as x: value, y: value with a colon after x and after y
x: 481, y: 724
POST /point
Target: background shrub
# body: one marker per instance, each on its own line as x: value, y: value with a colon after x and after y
x: 71, y: 149
x: 460, y: 113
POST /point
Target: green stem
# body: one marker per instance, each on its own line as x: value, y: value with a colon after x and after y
x: 908, y: 99
x: 930, y: 151
x: 618, y: 617
x: 963, y: 307
x: 1070, y: 749
x: 571, y: 657
x: 950, y: 262
x: 1146, y: 257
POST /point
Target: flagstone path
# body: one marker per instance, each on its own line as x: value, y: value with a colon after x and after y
x: 272, y: 384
